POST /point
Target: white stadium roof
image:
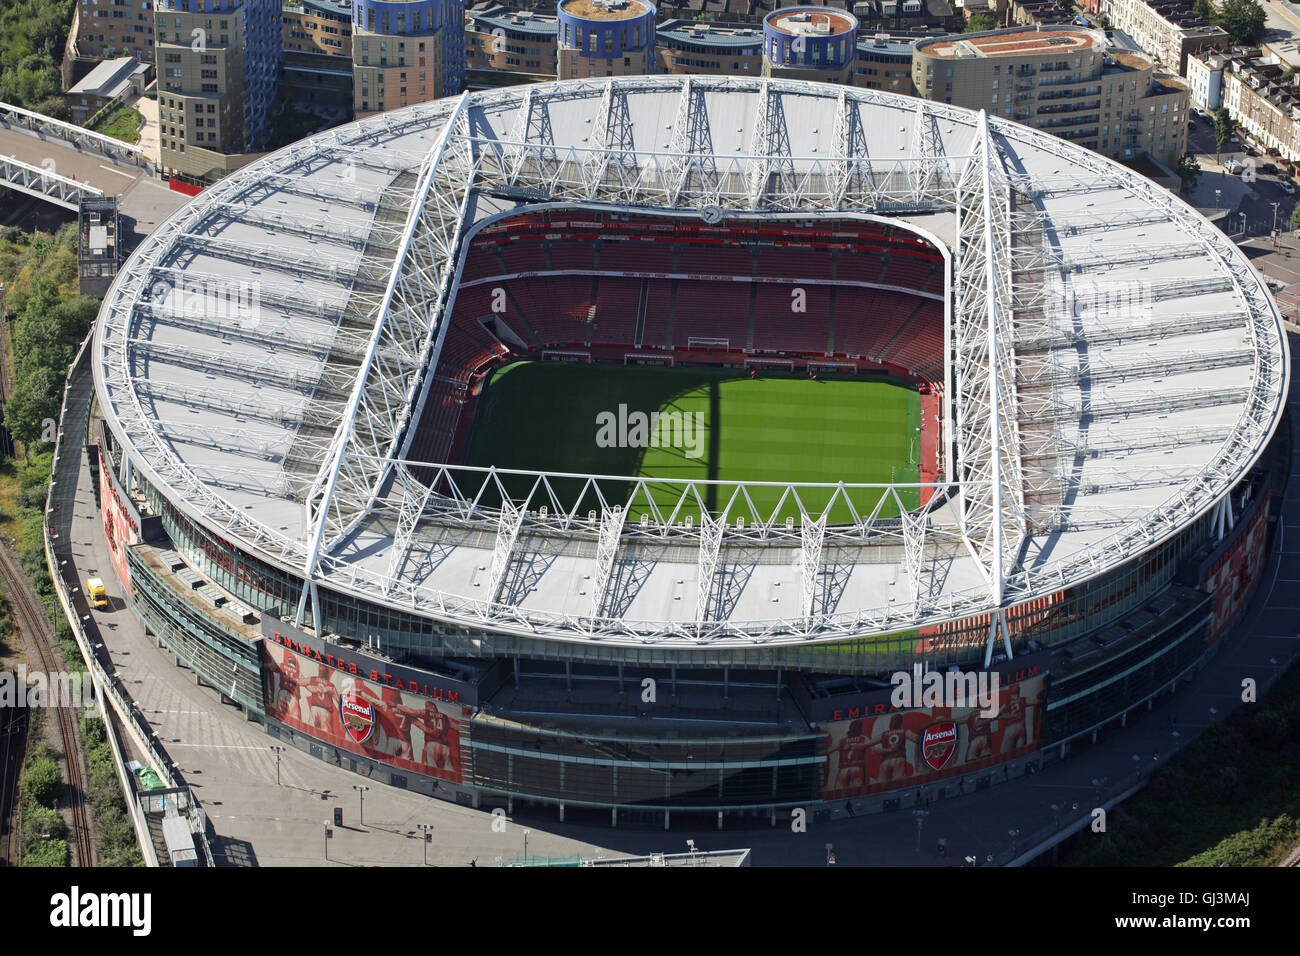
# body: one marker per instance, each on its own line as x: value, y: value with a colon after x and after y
x: 1116, y: 365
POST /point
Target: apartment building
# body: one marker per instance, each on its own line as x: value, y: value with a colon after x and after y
x: 1262, y: 96
x: 107, y: 29
x: 406, y: 52
x: 810, y: 43
x: 711, y: 49
x: 884, y: 62
x: 1062, y: 80
x: 605, y: 38
x: 317, y: 26
x: 218, y: 65
x: 499, y: 39
x: 1166, y: 29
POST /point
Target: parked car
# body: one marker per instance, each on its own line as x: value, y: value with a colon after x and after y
x: 1268, y: 168
x: 1233, y: 167
x: 1286, y: 187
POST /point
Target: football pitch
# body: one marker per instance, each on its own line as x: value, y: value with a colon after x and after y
x: 684, y: 424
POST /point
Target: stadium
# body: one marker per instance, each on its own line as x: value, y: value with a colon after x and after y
x: 605, y: 445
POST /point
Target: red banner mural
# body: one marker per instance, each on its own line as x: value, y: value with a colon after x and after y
x: 397, y: 728
x: 120, y: 530
x: 1232, y: 575
x: 920, y: 746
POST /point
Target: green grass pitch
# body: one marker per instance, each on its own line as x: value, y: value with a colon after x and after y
x: 546, y: 416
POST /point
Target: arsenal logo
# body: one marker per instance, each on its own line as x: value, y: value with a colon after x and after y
x: 938, y: 744
x: 358, y: 716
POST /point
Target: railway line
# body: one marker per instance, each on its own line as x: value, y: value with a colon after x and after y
x: 13, y: 740
x: 31, y: 619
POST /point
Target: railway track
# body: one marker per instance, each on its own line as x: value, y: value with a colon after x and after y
x: 30, y: 616
x: 13, y: 737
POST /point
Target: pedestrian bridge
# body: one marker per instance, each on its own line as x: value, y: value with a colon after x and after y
x: 62, y: 163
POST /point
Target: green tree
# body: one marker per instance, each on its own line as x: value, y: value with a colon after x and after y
x: 1223, y: 130
x: 1203, y: 9
x: 51, y: 853
x: 1242, y: 20
x: 1295, y: 217
x: 981, y: 23
x: 42, y: 782
x: 1189, y: 171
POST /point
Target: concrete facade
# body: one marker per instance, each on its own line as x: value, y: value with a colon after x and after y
x: 1265, y: 103
x: 1166, y: 29
x: 511, y: 41
x: 1064, y: 81
x: 406, y: 52
x: 605, y: 38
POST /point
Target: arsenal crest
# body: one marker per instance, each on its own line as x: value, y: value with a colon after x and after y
x: 358, y: 716
x: 938, y: 744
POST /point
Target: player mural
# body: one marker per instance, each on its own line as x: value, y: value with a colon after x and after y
x: 1233, y: 569
x: 398, y: 728
x: 900, y: 748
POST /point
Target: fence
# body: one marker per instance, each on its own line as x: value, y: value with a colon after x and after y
x: 108, y: 686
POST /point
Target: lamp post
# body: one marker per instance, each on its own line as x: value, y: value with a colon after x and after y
x: 277, y: 750
x: 329, y: 835
x: 920, y: 820
x: 830, y: 856
x: 1014, y: 834
x: 427, y: 829
x: 1243, y: 223
x: 361, y: 790
x: 526, y: 832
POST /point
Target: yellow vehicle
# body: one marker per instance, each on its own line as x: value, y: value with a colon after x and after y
x: 98, y: 596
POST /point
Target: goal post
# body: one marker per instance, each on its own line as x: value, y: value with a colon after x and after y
x: 565, y: 355
x: 647, y: 358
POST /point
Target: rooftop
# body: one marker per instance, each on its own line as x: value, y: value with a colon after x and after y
x: 604, y: 9
x: 228, y: 348
x: 716, y: 34
x: 1028, y: 42
x: 801, y: 21
x: 108, y: 76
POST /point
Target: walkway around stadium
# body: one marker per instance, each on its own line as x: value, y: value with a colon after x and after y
x: 228, y: 761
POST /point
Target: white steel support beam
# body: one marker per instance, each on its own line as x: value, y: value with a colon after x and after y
x: 993, y: 518
x: 608, y: 537
x: 43, y: 184
x: 401, y: 320
x: 914, y: 533
x: 927, y: 145
x: 508, y: 524
x: 415, y: 497
x: 812, y: 534
x: 75, y: 137
x: 710, y: 544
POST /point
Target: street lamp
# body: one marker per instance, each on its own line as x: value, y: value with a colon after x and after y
x: 427, y: 828
x: 1013, y: 834
x: 526, y: 832
x: 1217, y: 194
x: 1275, y: 205
x: 920, y: 819
x: 1243, y: 223
x: 329, y: 835
x: 277, y: 750
x: 361, y: 790
x: 830, y: 857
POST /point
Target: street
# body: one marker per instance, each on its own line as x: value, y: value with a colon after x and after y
x: 1256, y: 193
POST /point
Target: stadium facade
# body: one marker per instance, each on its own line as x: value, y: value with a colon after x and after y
x: 288, y: 369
